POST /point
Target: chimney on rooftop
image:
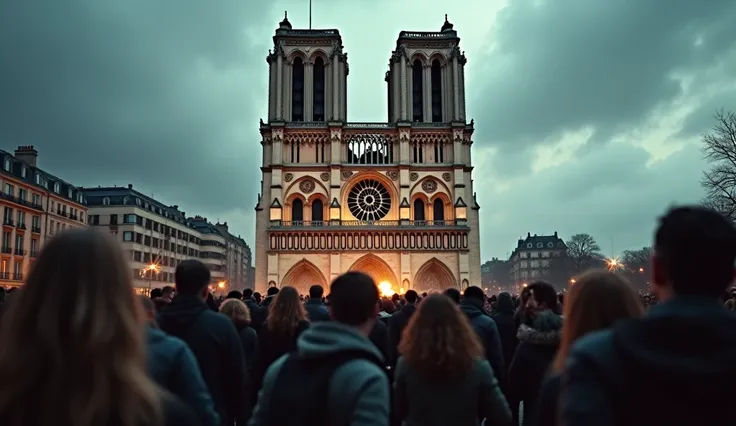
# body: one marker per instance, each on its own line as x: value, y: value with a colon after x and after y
x: 27, y: 154
x: 130, y: 186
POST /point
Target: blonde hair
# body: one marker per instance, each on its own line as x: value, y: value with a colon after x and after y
x: 236, y: 310
x: 73, y: 348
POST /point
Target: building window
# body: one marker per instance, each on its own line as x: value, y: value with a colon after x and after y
x: 297, y: 210
x: 297, y: 90
x: 127, y: 236
x: 318, y: 101
x: 436, y: 92
x: 36, y: 199
x: 294, y: 152
x: 417, y: 91
x: 7, y: 164
x: 418, y: 152
x: 57, y: 187
x: 22, y: 194
x: 70, y: 193
x: 113, y: 219
x: 439, y: 210
x: 106, y: 201
x: 9, y: 189
x: 439, y: 152
x: 23, y: 171
x: 38, y: 179
x: 317, y: 211
x: 418, y: 210
x: 138, y: 202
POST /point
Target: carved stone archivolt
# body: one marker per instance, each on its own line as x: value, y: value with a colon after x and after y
x: 393, y: 174
x: 429, y: 186
x: 288, y: 177
x: 306, y: 186
x: 345, y: 175
x: 447, y: 177
x: 413, y: 176
x: 324, y: 177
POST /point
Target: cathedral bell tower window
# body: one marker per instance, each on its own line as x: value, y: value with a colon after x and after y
x: 297, y: 90
x: 318, y: 100
x: 436, y: 92
x: 417, y: 88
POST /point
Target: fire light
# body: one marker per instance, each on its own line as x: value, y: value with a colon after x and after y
x: 385, y: 288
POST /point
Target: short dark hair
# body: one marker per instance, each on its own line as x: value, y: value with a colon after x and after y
x: 191, y: 277
x: 474, y: 292
x: 353, y: 298
x: 453, y: 294
x: 234, y: 294
x: 316, y: 291
x: 411, y: 296
x: 696, y: 247
x: 247, y: 293
x: 272, y: 291
x: 544, y: 292
x: 156, y: 292
x: 167, y: 290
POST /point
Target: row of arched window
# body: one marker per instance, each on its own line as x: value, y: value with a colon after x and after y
x: 438, y: 210
x: 297, y: 211
x: 298, y: 87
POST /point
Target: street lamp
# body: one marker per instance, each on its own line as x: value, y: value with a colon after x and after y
x: 335, y: 211
x: 461, y: 210
x: 275, y: 211
x: 150, y: 269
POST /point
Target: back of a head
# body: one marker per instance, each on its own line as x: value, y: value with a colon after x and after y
x: 411, y: 296
x: 439, y: 340
x: 234, y: 294
x: 247, y: 293
x: 167, y: 291
x: 453, y: 294
x: 505, y: 303
x: 597, y: 300
x: 353, y: 298
x: 475, y: 293
x: 236, y: 310
x: 273, y: 291
x: 695, y: 248
x: 192, y: 277
x: 77, y: 309
x: 286, y: 311
x: 156, y: 292
x: 316, y: 291
x: 543, y: 292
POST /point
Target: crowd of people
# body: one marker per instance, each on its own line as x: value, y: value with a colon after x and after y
x: 79, y: 348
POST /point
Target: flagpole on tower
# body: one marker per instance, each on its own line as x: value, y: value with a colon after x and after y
x: 310, y: 14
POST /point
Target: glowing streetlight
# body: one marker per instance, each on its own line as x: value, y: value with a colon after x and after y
x: 614, y: 264
x: 572, y: 281
x: 641, y: 270
x: 150, y: 269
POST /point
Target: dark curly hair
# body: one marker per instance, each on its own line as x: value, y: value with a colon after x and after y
x: 439, y: 341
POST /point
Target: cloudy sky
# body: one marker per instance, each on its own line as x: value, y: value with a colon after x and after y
x: 587, y: 112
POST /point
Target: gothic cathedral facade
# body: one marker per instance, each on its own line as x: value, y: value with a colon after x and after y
x: 394, y: 200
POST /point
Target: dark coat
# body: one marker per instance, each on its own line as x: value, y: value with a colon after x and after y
x: 177, y: 413
x: 507, y: 329
x: 487, y: 330
x: 396, y: 325
x: 379, y: 337
x: 546, y: 412
x: 249, y: 340
x: 674, y: 366
x: 316, y: 310
x: 258, y: 317
x: 216, y: 345
x: 536, y: 351
x: 172, y: 366
x: 270, y: 347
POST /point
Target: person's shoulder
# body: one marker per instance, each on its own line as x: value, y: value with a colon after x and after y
x: 176, y: 413
x: 165, y: 344
x: 596, y: 342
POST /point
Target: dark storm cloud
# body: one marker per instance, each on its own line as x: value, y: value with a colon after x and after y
x: 606, y: 64
x: 161, y: 94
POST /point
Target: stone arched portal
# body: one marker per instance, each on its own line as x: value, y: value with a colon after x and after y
x: 376, y: 268
x: 434, y: 276
x: 303, y: 275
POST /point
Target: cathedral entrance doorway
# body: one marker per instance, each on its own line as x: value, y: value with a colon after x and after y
x: 380, y: 271
x: 434, y: 276
x: 303, y: 275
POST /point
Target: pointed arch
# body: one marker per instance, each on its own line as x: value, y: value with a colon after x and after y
x: 376, y: 268
x: 434, y: 276
x: 303, y: 275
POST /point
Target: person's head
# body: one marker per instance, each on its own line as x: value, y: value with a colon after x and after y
x: 285, y: 312
x: 77, y: 316
x: 234, y: 294
x: 316, y: 291
x: 149, y: 309
x: 505, y: 303
x: 453, y: 294
x: 273, y: 291
x: 474, y: 293
x: 694, y: 253
x: 236, y: 310
x: 439, y: 341
x: 395, y: 298
x: 542, y: 296
x: 167, y: 291
x: 411, y: 297
x: 257, y: 297
x: 595, y: 302
x: 354, y: 301
x: 247, y: 293
x: 192, y: 278
x: 156, y: 292
x: 388, y: 306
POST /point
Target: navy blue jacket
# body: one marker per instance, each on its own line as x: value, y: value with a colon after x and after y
x: 316, y: 310
x: 487, y: 330
x: 674, y: 366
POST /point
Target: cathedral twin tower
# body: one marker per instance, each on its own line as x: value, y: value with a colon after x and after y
x: 394, y: 200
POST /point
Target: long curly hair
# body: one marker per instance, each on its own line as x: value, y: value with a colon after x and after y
x: 285, y: 312
x: 73, y: 346
x: 597, y: 300
x: 439, y: 340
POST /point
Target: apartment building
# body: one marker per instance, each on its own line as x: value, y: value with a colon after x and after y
x: 157, y: 237
x: 36, y: 205
x: 531, y: 259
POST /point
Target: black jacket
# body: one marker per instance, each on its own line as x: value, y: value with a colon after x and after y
x: 316, y: 310
x: 379, y: 337
x: 487, y: 330
x: 270, y: 348
x: 536, y: 351
x: 396, y: 325
x: 249, y: 340
x: 546, y: 412
x: 674, y: 366
x: 216, y: 345
x: 507, y: 328
x: 258, y: 316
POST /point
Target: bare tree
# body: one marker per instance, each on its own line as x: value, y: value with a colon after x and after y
x: 719, y: 149
x: 584, y: 252
x: 636, y: 267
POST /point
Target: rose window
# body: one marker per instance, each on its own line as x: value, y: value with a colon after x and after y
x: 369, y: 200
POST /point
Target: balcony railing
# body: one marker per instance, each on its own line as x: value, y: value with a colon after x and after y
x: 34, y: 253
x: 4, y: 275
x: 367, y: 224
x: 6, y: 249
x: 21, y: 226
x: 20, y: 201
x: 18, y: 276
x: 19, y: 252
x: 36, y: 229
